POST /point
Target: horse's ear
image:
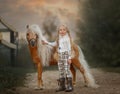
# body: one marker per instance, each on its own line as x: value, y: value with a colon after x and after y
x: 27, y: 26
x: 37, y: 36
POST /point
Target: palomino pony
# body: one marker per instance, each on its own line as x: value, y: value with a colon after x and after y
x: 42, y: 55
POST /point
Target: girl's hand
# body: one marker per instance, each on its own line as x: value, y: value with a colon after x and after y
x: 44, y: 43
x: 69, y: 61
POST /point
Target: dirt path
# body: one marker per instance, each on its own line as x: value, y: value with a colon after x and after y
x: 109, y: 83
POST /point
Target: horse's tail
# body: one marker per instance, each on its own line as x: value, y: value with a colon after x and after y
x: 87, y: 73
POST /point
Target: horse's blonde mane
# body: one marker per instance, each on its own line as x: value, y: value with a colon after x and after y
x: 44, y: 51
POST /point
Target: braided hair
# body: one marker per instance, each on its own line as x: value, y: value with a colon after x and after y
x: 68, y: 31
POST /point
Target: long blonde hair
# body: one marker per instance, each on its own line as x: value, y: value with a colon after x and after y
x: 68, y: 31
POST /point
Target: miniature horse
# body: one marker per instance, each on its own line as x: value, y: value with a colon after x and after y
x: 42, y: 55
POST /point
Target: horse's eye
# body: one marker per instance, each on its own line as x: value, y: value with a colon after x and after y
x: 37, y: 36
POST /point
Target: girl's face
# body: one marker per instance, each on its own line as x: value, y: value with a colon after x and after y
x: 62, y: 30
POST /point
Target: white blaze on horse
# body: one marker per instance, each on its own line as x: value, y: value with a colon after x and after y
x: 43, y: 55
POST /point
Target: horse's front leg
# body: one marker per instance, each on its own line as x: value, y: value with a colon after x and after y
x: 40, y: 82
x: 38, y: 64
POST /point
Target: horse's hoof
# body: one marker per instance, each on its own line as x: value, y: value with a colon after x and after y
x: 74, y: 84
x: 92, y: 86
x: 95, y: 86
x: 86, y: 85
x: 39, y: 88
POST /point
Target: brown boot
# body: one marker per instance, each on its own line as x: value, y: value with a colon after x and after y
x: 69, y: 85
x: 61, y: 83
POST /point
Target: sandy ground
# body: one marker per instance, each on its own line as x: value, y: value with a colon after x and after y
x: 109, y: 84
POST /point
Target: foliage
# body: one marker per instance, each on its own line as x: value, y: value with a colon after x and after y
x: 100, y: 32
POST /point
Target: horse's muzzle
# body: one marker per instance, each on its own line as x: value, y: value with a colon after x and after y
x: 32, y: 42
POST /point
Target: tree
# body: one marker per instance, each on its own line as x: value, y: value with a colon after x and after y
x: 101, y: 32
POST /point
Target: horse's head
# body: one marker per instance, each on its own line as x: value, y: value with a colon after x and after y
x: 31, y: 36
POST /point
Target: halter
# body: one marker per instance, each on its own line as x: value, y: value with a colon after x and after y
x: 30, y: 40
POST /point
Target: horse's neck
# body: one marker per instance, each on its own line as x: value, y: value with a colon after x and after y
x: 33, y: 50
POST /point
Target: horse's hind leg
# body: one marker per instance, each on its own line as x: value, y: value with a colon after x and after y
x: 73, y: 73
x: 77, y: 64
x: 88, y: 79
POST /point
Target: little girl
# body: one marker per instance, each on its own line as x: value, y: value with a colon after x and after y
x: 64, y: 47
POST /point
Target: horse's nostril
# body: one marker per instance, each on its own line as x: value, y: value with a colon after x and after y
x: 32, y: 42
